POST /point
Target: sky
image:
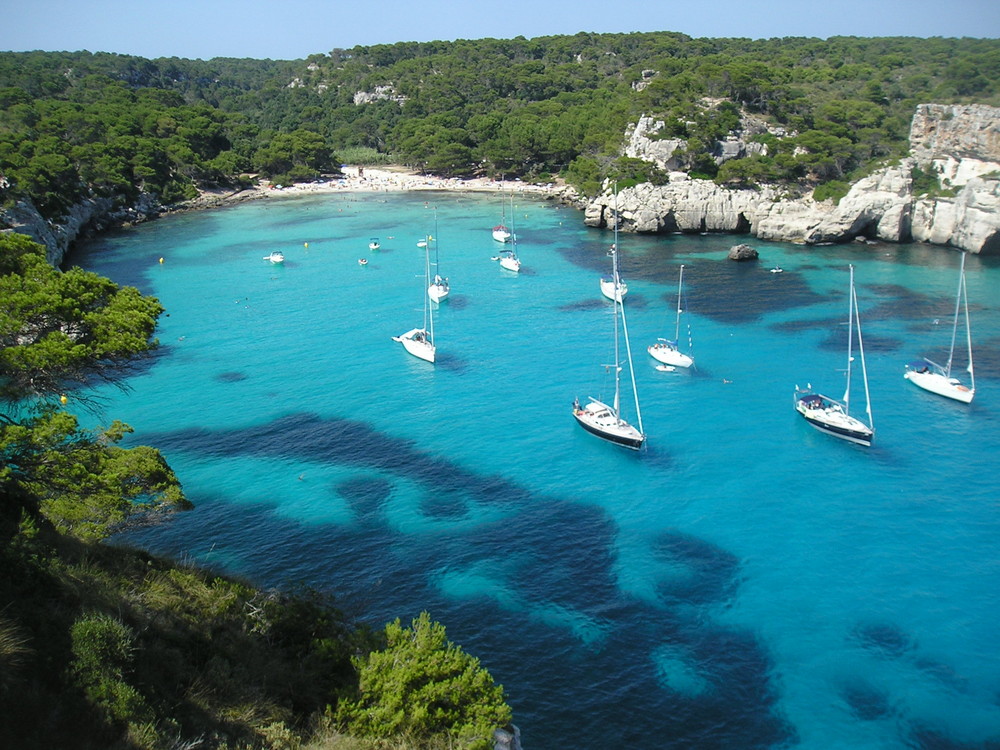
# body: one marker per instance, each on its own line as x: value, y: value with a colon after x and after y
x: 295, y: 29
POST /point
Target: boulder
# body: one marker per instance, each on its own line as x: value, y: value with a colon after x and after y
x: 742, y: 252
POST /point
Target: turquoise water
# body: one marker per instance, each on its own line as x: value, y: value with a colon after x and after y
x: 746, y: 581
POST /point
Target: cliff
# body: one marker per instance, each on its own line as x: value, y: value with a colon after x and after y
x: 958, y: 144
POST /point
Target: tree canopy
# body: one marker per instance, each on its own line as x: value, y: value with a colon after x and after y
x: 422, y: 686
x: 80, y: 124
x: 59, y: 330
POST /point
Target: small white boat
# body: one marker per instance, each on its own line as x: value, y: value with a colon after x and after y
x: 938, y: 379
x: 510, y: 261
x: 777, y: 269
x: 374, y: 244
x: 667, y: 351
x: 362, y: 261
x: 275, y: 257
x: 438, y: 289
x: 422, y: 243
x: 420, y: 341
x: 500, y: 232
x: 829, y: 415
x: 613, y: 291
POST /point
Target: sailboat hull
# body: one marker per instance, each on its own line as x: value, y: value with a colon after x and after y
x: 438, y: 290
x: 609, y: 291
x: 510, y: 263
x: 600, y: 420
x: 828, y: 416
x: 416, y: 343
x: 939, y: 383
x: 668, y: 355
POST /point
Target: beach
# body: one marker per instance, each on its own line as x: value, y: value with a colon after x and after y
x: 378, y: 179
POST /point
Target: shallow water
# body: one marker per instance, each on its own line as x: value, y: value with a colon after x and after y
x: 746, y: 581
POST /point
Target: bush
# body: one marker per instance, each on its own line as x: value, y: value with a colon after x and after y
x: 424, y: 687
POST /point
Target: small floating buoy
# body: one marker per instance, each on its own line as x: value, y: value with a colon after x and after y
x: 63, y: 399
x: 306, y: 244
x: 161, y: 260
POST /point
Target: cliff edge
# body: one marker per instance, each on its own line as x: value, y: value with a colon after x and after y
x: 959, y: 144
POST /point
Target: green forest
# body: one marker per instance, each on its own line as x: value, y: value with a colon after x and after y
x: 77, y: 124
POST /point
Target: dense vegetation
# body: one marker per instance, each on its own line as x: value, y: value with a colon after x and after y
x: 75, y: 124
x: 110, y: 648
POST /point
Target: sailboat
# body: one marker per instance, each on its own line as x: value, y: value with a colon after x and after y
x: 667, y: 351
x: 937, y: 379
x: 603, y: 420
x: 508, y: 256
x: 500, y: 232
x: 613, y: 287
x: 420, y: 341
x: 829, y: 415
x: 439, y: 288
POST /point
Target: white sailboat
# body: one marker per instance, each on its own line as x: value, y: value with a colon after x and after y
x: 603, y: 420
x: 829, y: 415
x: 420, y: 341
x: 500, y: 232
x: 439, y: 288
x: 937, y: 379
x: 508, y: 256
x: 275, y: 257
x: 611, y: 289
x: 668, y: 351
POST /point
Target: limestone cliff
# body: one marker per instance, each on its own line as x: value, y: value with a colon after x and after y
x: 960, y: 144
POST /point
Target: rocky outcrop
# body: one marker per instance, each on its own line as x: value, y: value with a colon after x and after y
x: 742, y: 252
x: 959, y: 144
x: 88, y: 216
x: 644, y: 142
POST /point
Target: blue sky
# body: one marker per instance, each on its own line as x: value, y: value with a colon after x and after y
x: 294, y: 29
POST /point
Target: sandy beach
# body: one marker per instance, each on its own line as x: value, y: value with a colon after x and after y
x: 379, y: 179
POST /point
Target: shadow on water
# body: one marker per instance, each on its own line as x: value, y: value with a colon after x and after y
x: 549, y: 614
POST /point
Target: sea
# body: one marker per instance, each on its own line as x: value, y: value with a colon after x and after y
x: 744, y: 581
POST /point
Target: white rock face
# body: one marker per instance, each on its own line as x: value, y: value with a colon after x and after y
x: 959, y: 143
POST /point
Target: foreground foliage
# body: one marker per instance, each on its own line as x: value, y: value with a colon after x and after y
x: 421, y: 686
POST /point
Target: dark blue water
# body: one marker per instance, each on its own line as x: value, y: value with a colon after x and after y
x: 744, y: 582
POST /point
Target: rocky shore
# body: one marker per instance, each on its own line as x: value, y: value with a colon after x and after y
x: 959, y: 145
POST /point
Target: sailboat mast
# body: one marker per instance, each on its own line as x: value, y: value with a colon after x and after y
x: 631, y: 370
x: 861, y: 350
x: 513, y: 234
x: 615, y: 302
x: 968, y: 327
x: 428, y: 310
x: 850, y: 342
x: 437, y: 257
x: 954, y: 325
x: 677, y: 324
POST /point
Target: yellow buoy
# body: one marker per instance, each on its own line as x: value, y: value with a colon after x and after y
x: 161, y: 260
x: 306, y: 244
x: 63, y: 399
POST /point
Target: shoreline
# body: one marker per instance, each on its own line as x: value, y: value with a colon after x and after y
x: 376, y: 180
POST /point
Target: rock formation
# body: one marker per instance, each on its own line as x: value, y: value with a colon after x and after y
x: 742, y: 253
x: 958, y: 144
